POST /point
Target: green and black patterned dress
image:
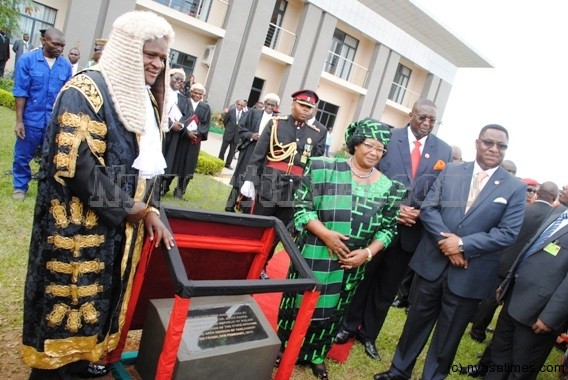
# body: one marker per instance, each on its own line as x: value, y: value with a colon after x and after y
x: 363, y: 212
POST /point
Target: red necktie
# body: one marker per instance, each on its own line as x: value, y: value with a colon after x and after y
x: 415, y: 157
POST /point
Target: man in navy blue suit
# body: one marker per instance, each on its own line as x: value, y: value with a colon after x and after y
x: 385, y: 272
x: 472, y: 212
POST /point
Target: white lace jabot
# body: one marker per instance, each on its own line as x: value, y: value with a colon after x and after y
x: 150, y: 161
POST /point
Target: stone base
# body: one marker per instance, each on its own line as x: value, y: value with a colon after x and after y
x: 225, y: 337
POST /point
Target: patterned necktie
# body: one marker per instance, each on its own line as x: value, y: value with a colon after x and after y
x: 547, y: 233
x: 475, y: 189
x: 415, y: 157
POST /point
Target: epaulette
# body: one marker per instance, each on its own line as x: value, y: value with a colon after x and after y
x: 314, y: 128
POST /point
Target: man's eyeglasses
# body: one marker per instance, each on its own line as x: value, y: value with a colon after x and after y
x: 270, y: 104
x: 369, y: 148
x: 177, y: 79
x: 490, y: 144
x: 531, y: 190
x: 423, y: 118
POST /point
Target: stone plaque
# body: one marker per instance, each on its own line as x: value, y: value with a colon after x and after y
x: 220, y: 334
x: 222, y: 326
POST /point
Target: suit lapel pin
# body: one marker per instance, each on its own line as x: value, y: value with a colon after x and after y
x: 496, y: 182
x: 427, y: 155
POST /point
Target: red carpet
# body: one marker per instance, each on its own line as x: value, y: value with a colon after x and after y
x: 269, y: 303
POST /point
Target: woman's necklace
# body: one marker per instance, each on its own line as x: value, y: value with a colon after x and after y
x: 362, y: 176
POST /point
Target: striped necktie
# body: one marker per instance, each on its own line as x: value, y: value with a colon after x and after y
x: 546, y: 234
x: 475, y: 189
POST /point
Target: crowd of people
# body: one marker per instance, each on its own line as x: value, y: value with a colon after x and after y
x: 402, y: 214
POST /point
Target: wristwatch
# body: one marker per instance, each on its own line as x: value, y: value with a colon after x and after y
x: 460, y: 248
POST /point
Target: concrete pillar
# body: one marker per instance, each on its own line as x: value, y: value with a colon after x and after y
x: 367, y: 103
x: 309, y: 53
x: 237, y: 55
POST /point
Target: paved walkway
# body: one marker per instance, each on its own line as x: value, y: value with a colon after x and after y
x: 213, y: 146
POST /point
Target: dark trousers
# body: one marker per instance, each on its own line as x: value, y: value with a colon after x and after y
x: 2, y: 67
x: 285, y: 214
x: 245, y: 204
x: 483, y: 316
x: 432, y: 304
x: 375, y: 294
x: 65, y: 372
x: 518, y: 348
x: 404, y: 290
x: 232, y: 145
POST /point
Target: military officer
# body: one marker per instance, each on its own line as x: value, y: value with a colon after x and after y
x: 281, y: 153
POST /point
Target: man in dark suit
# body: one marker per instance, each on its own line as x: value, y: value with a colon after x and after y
x: 535, y: 214
x: 4, y: 50
x: 472, y: 212
x: 21, y: 46
x: 231, y: 134
x: 535, y: 293
x: 385, y: 272
x: 250, y: 128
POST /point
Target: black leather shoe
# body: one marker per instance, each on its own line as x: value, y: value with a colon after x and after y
x: 400, y: 303
x: 343, y: 336
x: 319, y: 371
x: 478, y: 336
x: 388, y: 375
x: 371, y: 350
x: 229, y: 167
x: 93, y: 370
x: 473, y: 371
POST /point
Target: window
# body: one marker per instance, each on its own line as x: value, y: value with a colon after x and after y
x: 41, y: 17
x: 275, y: 23
x: 255, y: 91
x: 183, y: 61
x: 194, y: 8
x: 327, y: 113
x: 341, y: 55
x: 400, y: 83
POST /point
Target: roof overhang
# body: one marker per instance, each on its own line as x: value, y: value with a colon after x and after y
x: 420, y: 25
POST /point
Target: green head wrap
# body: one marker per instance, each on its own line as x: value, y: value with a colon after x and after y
x: 369, y: 128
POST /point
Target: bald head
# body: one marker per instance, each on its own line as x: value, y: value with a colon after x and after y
x: 53, y: 33
x: 456, y: 154
x: 547, y: 192
x: 509, y: 166
x: 53, y: 42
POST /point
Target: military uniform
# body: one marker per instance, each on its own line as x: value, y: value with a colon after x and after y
x: 277, y: 164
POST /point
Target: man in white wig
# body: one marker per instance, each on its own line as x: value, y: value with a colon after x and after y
x: 97, y: 198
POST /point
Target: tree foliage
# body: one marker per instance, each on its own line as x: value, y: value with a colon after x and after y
x: 10, y: 11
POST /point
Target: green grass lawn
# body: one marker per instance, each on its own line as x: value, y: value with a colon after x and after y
x: 204, y: 192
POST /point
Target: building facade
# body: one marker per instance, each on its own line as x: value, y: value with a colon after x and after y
x: 363, y: 57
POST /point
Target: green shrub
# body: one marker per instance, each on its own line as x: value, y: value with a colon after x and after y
x: 216, y: 125
x: 7, y: 84
x: 7, y: 99
x: 342, y: 153
x: 208, y: 164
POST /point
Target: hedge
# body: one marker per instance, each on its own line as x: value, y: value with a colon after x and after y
x: 7, y: 84
x: 7, y: 99
x: 208, y: 164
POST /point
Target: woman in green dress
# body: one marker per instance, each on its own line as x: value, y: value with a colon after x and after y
x: 345, y: 212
